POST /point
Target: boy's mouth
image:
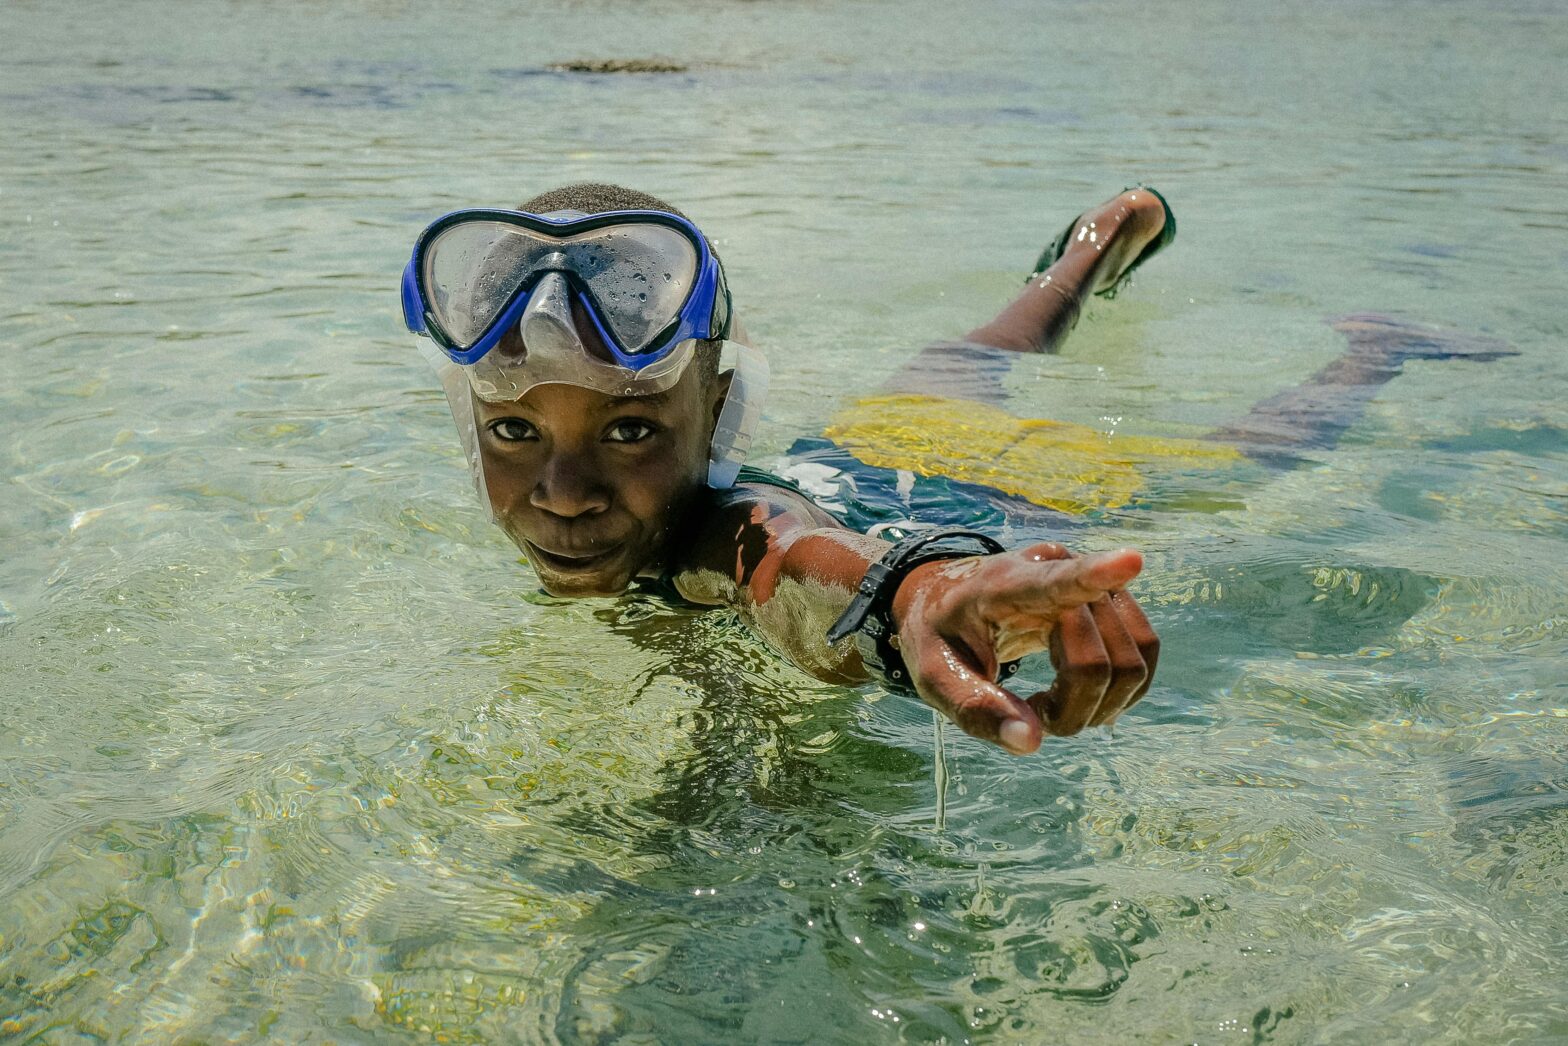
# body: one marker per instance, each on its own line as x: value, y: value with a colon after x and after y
x: 570, y: 564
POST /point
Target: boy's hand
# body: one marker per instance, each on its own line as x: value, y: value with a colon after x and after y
x: 959, y: 619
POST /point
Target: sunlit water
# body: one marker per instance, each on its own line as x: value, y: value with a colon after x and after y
x: 292, y: 749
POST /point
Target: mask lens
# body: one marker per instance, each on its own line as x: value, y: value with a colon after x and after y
x: 471, y: 271
x: 637, y: 275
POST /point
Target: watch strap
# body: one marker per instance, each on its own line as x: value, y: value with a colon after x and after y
x: 869, y: 615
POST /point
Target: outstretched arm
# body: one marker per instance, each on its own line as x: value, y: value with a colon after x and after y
x: 790, y: 569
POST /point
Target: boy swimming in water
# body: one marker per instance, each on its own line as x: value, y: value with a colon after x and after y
x: 579, y: 340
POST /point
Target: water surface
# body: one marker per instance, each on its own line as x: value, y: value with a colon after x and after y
x: 294, y: 750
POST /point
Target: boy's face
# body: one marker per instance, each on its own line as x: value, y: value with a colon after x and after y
x: 590, y: 485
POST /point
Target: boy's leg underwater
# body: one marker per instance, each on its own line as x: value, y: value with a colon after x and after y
x: 1314, y: 414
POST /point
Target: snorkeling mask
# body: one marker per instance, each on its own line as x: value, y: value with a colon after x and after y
x: 498, y: 294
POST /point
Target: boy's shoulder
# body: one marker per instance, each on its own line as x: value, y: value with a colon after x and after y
x: 756, y: 489
x: 729, y: 532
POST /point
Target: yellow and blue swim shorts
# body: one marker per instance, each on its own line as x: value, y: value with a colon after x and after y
x: 887, y: 459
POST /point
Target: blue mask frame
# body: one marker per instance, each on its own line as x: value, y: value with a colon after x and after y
x: 704, y: 314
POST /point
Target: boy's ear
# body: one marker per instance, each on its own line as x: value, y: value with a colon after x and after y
x: 721, y: 391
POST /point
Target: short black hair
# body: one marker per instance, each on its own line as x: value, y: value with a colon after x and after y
x: 598, y: 197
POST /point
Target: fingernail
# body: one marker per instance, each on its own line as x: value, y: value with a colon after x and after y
x: 1015, y: 736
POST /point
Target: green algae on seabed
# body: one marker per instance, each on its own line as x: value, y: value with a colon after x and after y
x: 619, y: 65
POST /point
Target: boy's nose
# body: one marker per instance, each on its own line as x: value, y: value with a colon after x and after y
x: 568, y: 487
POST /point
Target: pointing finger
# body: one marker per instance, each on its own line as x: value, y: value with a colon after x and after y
x: 1107, y: 571
x: 1046, y: 583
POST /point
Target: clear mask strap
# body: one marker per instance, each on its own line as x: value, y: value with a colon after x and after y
x: 739, y: 417
x: 459, y: 398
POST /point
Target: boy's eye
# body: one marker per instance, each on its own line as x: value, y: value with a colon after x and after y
x: 630, y: 430
x: 512, y: 430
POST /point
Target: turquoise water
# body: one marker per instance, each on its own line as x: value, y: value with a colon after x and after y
x: 293, y: 751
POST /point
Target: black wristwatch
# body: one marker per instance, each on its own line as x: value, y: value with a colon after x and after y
x: 870, y: 614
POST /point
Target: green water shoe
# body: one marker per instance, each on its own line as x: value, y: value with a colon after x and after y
x: 1154, y: 246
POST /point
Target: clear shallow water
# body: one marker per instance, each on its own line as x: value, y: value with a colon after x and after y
x: 292, y: 750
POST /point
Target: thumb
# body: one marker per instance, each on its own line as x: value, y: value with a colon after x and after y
x: 978, y: 706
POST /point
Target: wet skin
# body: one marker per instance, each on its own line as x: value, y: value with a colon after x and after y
x: 600, y: 490
x: 957, y: 620
x: 589, y: 486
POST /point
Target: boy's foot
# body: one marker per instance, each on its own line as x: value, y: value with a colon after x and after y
x: 1122, y: 233
x: 1393, y: 341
